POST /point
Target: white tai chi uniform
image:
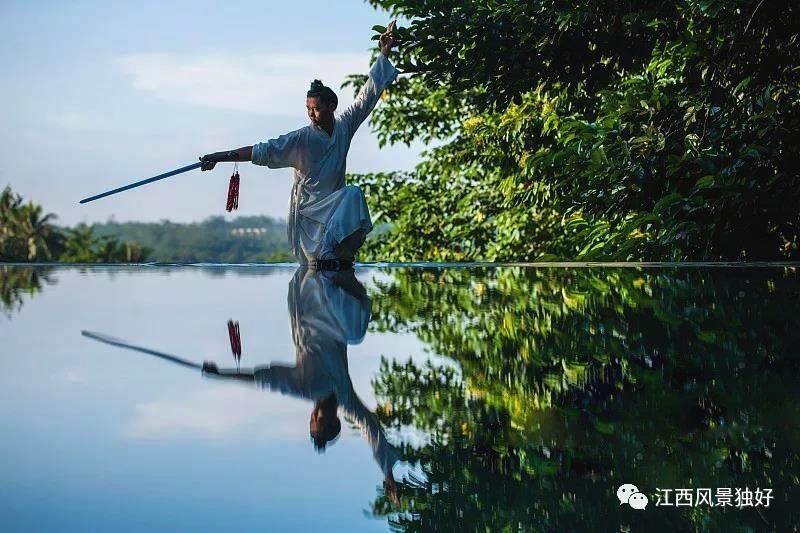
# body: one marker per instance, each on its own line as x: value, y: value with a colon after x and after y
x: 322, y: 210
x: 324, y: 320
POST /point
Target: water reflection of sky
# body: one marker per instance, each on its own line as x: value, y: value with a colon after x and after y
x: 98, y: 438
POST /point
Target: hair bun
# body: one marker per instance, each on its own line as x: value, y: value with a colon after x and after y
x: 325, y: 94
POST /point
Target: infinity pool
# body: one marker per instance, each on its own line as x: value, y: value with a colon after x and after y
x: 420, y: 397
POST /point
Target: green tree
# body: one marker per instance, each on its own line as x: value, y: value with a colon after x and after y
x: 37, y: 232
x: 593, y: 130
x: 10, y: 205
x: 79, y: 245
x: 26, y: 233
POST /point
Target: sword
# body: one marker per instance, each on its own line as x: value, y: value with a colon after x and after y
x: 209, y: 368
x: 124, y: 344
x: 142, y: 182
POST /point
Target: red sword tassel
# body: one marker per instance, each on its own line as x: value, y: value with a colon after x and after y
x: 233, y: 191
x: 236, y: 340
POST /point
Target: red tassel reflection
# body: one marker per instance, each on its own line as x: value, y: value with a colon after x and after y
x: 233, y: 191
x: 236, y: 340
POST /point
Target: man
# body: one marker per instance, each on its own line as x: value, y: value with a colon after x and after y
x: 328, y: 221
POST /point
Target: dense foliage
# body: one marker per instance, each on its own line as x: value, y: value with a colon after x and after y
x: 571, y: 382
x: 593, y: 130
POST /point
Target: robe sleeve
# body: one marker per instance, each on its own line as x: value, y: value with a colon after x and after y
x: 381, y: 75
x: 280, y: 152
x: 383, y: 452
x: 280, y: 378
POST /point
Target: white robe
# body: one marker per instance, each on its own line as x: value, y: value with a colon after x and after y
x: 324, y: 320
x: 322, y: 210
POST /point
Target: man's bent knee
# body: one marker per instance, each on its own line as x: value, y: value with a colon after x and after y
x: 350, y: 245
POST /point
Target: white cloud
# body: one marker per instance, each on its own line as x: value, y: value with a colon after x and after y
x: 220, y: 411
x: 270, y: 84
x: 73, y: 376
x: 72, y: 120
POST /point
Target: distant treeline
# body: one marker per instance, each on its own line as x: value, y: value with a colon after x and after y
x: 254, y: 239
x: 28, y: 234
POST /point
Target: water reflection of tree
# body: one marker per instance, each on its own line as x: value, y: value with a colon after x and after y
x: 16, y: 281
x: 573, y: 382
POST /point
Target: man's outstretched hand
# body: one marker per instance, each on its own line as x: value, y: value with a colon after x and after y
x: 240, y: 155
x: 389, y: 38
x: 210, y: 367
x: 207, y: 162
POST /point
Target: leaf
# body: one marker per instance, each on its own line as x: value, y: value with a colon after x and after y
x: 707, y: 336
x: 705, y: 5
x: 666, y: 202
x: 642, y: 220
x: 599, y: 156
x: 742, y: 85
x: 752, y: 152
x: 704, y: 182
x: 575, y: 224
x: 606, y: 428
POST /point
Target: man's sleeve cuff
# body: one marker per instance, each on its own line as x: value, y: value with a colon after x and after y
x: 257, y: 155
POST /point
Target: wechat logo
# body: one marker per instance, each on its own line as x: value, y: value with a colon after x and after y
x: 629, y: 494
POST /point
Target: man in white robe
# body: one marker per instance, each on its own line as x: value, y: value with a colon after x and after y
x: 328, y: 220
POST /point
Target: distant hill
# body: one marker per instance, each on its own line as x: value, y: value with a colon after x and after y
x: 253, y: 239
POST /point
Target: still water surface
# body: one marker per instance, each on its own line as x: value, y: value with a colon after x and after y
x: 483, y: 398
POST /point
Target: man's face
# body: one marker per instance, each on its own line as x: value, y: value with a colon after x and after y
x: 319, y: 420
x: 318, y: 113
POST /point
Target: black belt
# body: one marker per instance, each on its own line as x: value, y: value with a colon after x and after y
x: 331, y: 264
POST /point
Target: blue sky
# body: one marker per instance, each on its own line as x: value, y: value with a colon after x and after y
x: 99, y: 94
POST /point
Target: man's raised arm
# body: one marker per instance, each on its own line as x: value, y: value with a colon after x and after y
x: 380, y: 76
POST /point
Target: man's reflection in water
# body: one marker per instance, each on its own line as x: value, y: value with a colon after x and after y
x: 328, y: 311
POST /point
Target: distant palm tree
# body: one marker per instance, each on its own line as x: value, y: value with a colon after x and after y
x: 135, y: 253
x: 9, y: 206
x: 12, y: 245
x: 25, y: 232
x: 9, y: 201
x: 79, y: 245
x: 36, y: 230
x: 107, y: 250
x: 111, y: 250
